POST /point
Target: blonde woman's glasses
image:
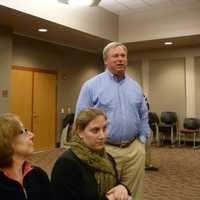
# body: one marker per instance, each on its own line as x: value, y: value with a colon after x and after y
x: 24, y: 131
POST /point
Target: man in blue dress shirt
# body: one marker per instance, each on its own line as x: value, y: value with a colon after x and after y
x: 122, y: 100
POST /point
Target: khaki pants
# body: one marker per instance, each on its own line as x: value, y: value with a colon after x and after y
x: 130, y: 166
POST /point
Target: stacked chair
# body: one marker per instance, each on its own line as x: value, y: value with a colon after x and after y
x: 191, y: 127
x: 168, y: 125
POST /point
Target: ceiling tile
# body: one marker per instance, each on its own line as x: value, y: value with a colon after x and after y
x: 156, y: 1
x: 107, y: 2
x: 131, y: 1
x: 121, y: 7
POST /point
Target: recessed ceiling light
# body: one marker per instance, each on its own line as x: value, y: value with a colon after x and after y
x: 42, y: 30
x: 81, y: 2
x: 168, y: 43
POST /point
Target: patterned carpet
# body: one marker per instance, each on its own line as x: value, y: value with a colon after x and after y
x: 178, y: 177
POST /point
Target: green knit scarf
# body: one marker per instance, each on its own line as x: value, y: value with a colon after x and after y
x: 98, y: 161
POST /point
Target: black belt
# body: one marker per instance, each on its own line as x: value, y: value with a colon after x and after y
x: 122, y: 145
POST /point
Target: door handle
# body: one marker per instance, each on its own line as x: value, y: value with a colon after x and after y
x: 35, y: 115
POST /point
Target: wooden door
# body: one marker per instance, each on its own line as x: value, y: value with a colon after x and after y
x: 33, y: 99
x: 21, y: 95
x: 44, y: 110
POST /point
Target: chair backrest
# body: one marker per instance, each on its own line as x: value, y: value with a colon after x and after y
x: 153, y: 118
x: 63, y: 137
x: 69, y: 119
x: 168, y: 117
x: 191, y: 123
x: 198, y: 121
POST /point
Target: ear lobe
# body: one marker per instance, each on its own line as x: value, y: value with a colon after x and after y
x: 80, y: 134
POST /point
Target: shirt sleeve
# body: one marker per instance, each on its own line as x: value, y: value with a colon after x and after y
x: 84, y: 99
x: 144, y: 116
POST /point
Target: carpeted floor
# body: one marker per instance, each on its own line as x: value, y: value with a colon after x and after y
x: 178, y: 177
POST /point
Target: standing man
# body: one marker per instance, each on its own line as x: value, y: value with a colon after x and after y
x: 122, y: 100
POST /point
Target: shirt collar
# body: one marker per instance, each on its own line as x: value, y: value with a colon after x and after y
x: 113, y: 77
x: 25, y: 168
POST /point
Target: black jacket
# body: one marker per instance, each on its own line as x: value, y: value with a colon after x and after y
x: 36, y: 186
x: 72, y: 179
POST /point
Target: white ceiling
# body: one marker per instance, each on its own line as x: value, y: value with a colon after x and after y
x: 123, y: 7
x: 25, y: 24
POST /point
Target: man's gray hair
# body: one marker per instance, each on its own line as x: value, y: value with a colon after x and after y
x: 112, y: 45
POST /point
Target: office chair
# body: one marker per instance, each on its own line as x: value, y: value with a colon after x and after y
x: 191, y: 126
x: 66, y: 133
x: 168, y: 125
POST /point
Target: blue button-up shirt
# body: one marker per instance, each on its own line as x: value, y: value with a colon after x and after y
x: 122, y: 101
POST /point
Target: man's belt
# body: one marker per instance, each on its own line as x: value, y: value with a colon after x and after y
x: 123, y: 144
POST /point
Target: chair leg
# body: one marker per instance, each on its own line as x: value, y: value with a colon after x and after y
x: 198, y: 146
x: 157, y: 135
x: 179, y: 138
x: 184, y: 139
x: 172, y: 136
x: 177, y: 135
x: 194, y: 140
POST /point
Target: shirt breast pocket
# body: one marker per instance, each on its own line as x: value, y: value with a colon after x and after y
x: 107, y: 102
x: 134, y: 102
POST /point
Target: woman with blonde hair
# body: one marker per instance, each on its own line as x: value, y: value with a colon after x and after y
x: 85, y: 170
x: 19, y: 180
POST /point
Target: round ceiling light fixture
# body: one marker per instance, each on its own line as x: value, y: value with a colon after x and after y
x: 43, y: 30
x: 168, y: 43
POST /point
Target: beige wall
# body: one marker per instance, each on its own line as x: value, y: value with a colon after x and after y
x: 36, y: 54
x: 167, y: 86
x: 135, y: 71
x: 165, y: 80
x: 159, y: 24
x: 197, y: 84
x: 73, y: 67
x: 5, y: 62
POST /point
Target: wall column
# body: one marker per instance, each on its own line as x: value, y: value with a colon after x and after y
x: 190, y: 87
x: 5, y: 66
x: 145, y: 77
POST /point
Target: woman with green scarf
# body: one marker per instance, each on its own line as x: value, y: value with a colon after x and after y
x: 85, y: 171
